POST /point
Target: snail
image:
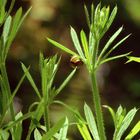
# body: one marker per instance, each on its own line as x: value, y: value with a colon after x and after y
x: 75, y: 61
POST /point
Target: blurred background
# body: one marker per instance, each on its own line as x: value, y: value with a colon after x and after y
x: 119, y: 82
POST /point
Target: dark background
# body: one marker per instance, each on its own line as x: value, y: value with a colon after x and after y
x: 119, y: 82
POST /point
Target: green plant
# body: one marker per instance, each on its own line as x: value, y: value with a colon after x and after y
x: 10, y: 28
x: 99, y: 21
x: 48, y: 69
x: 37, y: 110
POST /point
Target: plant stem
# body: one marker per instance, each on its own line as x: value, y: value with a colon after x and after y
x: 46, y: 116
x: 95, y: 51
x: 97, y: 106
x: 8, y: 91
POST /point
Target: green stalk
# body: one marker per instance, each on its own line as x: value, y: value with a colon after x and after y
x: 95, y: 52
x: 46, y: 117
x: 97, y: 106
x: 45, y: 90
x: 8, y: 91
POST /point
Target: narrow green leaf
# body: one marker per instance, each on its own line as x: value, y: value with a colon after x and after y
x: 4, y: 135
x: 29, y: 77
x: 91, y: 122
x: 132, y: 58
x: 85, y: 45
x: 65, y: 49
x: 37, y: 135
x: 64, y: 130
x: 37, y: 114
x: 134, y: 131
x: 114, y: 57
x: 24, y: 117
x: 73, y: 110
x: 83, y: 129
x: 111, y: 18
x: 16, y: 131
x: 11, y: 7
x: 87, y: 16
x: 91, y: 43
x: 110, y: 41
x: 112, y: 113
x: 62, y: 86
x: 96, y: 16
x: 18, y: 86
x: 13, y: 31
x: 125, y: 123
x: 6, y: 29
x: 92, y: 14
x: 23, y: 18
x: 54, y: 130
x: 12, y: 97
x: 76, y: 43
x: 15, y: 23
x: 115, y: 46
x: 2, y: 14
x: 119, y: 111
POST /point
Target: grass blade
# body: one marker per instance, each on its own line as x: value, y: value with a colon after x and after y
x: 115, y: 46
x: 23, y: 17
x: 83, y: 129
x: 132, y: 58
x: 63, y: 131
x: 85, y: 45
x: 111, y: 18
x: 37, y: 135
x: 91, y: 122
x: 12, y: 97
x: 125, y: 123
x: 16, y: 131
x: 114, y: 57
x: 4, y: 135
x: 92, y: 14
x: 6, y: 29
x: 24, y: 117
x: 87, y: 16
x: 112, y: 113
x: 65, y: 82
x: 14, y: 29
x: 63, y: 48
x: 109, y: 42
x: 134, y: 131
x: 54, y: 130
x: 76, y: 42
x: 29, y: 77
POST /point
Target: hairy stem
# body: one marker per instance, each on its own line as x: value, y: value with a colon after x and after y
x: 97, y: 106
x: 46, y: 117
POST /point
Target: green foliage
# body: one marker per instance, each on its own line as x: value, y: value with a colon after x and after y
x: 54, y: 130
x: 17, y: 130
x: 83, y: 129
x: 4, y: 135
x: 87, y: 46
x: 91, y: 122
x: 99, y: 21
x: 134, y: 131
x: 37, y: 135
x: 122, y: 120
x: 3, y: 13
x: 48, y: 69
x: 10, y: 29
x: 132, y: 58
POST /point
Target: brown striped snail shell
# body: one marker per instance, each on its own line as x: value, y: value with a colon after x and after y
x: 75, y: 61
